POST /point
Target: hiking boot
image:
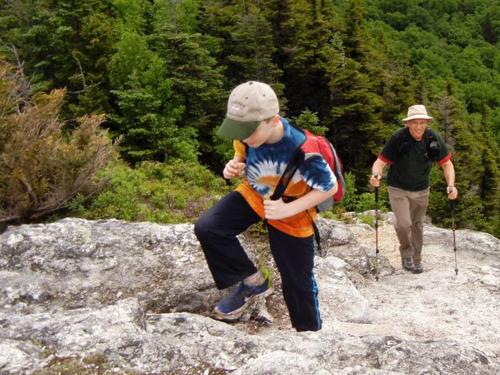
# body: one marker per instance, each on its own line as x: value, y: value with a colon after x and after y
x: 407, y: 264
x: 232, y: 306
x: 417, y: 266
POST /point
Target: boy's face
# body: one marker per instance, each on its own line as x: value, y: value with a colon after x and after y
x: 263, y: 134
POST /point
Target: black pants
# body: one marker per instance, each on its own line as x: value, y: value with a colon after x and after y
x: 217, y: 229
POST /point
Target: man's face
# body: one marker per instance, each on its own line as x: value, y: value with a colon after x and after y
x: 417, y: 127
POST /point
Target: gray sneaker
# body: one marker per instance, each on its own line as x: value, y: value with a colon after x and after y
x: 231, y: 307
x: 407, y: 264
x: 417, y: 266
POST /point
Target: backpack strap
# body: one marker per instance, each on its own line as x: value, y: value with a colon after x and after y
x: 432, y: 145
x: 296, y: 159
x: 293, y: 164
x: 317, y: 236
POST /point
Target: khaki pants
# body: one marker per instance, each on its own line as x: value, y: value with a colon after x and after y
x: 409, y: 207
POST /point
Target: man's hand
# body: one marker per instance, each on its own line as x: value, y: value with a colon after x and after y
x: 233, y: 168
x: 375, y: 180
x: 277, y: 210
x: 452, y: 192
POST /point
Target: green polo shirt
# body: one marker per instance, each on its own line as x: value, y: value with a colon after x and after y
x: 410, y: 160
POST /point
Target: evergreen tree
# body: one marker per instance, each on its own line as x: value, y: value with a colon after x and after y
x: 145, y: 115
x: 357, y: 103
x: 192, y: 69
x: 166, y: 82
x: 311, y: 47
x: 196, y: 83
x: 245, y: 31
x: 476, y: 169
x: 64, y: 43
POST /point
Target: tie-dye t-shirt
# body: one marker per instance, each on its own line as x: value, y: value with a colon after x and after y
x: 264, y: 167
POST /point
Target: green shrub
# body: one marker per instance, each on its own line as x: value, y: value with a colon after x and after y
x: 367, y: 219
x: 43, y: 165
x: 365, y: 202
x: 309, y: 120
x: 358, y: 202
x: 157, y: 192
x: 350, y: 198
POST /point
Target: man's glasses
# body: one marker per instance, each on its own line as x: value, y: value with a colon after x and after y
x: 418, y: 123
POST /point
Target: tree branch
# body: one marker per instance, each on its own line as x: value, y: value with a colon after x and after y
x: 29, y: 190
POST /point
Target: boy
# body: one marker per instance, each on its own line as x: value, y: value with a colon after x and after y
x: 410, y: 153
x: 264, y: 143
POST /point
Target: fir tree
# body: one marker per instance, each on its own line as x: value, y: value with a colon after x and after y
x: 246, y: 33
x: 357, y: 104
x: 64, y: 43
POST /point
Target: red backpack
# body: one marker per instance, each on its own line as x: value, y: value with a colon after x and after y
x: 319, y: 144
x: 315, y: 145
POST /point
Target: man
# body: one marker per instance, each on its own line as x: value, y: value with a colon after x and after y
x: 409, y: 153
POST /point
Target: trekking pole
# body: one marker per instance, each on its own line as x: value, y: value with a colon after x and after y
x: 376, y: 234
x: 453, y: 202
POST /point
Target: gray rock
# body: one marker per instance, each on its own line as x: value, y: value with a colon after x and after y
x: 482, y: 244
x: 338, y: 294
x: 333, y: 233
x: 137, y: 298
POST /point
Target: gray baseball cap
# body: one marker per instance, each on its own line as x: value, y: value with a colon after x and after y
x: 249, y: 104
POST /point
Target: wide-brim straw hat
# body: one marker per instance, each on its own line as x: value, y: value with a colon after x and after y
x: 417, y: 111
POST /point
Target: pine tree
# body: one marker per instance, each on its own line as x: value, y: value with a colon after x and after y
x: 310, y: 48
x: 245, y: 31
x: 357, y: 104
x: 196, y: 79
x: 64, y: 43
x: 476, y: 169
x: 146, y: 115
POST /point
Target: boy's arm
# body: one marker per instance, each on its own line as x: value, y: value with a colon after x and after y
x: 277, y: 210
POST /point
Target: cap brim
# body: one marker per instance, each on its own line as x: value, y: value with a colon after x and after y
x: 237, y: 129
x: 418, y: 117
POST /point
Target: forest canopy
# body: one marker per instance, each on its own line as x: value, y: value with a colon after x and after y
x: 160, y: 72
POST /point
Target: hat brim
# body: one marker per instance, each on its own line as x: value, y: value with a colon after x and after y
x: 237, y: 129
x: 418, y: 117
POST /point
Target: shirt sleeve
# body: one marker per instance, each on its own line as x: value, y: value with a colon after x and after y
x: 444, y: 154
x: 389, y: 153
x: 318, y: 174
x: 239, y: 149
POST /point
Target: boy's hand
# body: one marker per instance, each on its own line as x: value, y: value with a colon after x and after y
x: 233, y: 168
x: 276, y: 210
